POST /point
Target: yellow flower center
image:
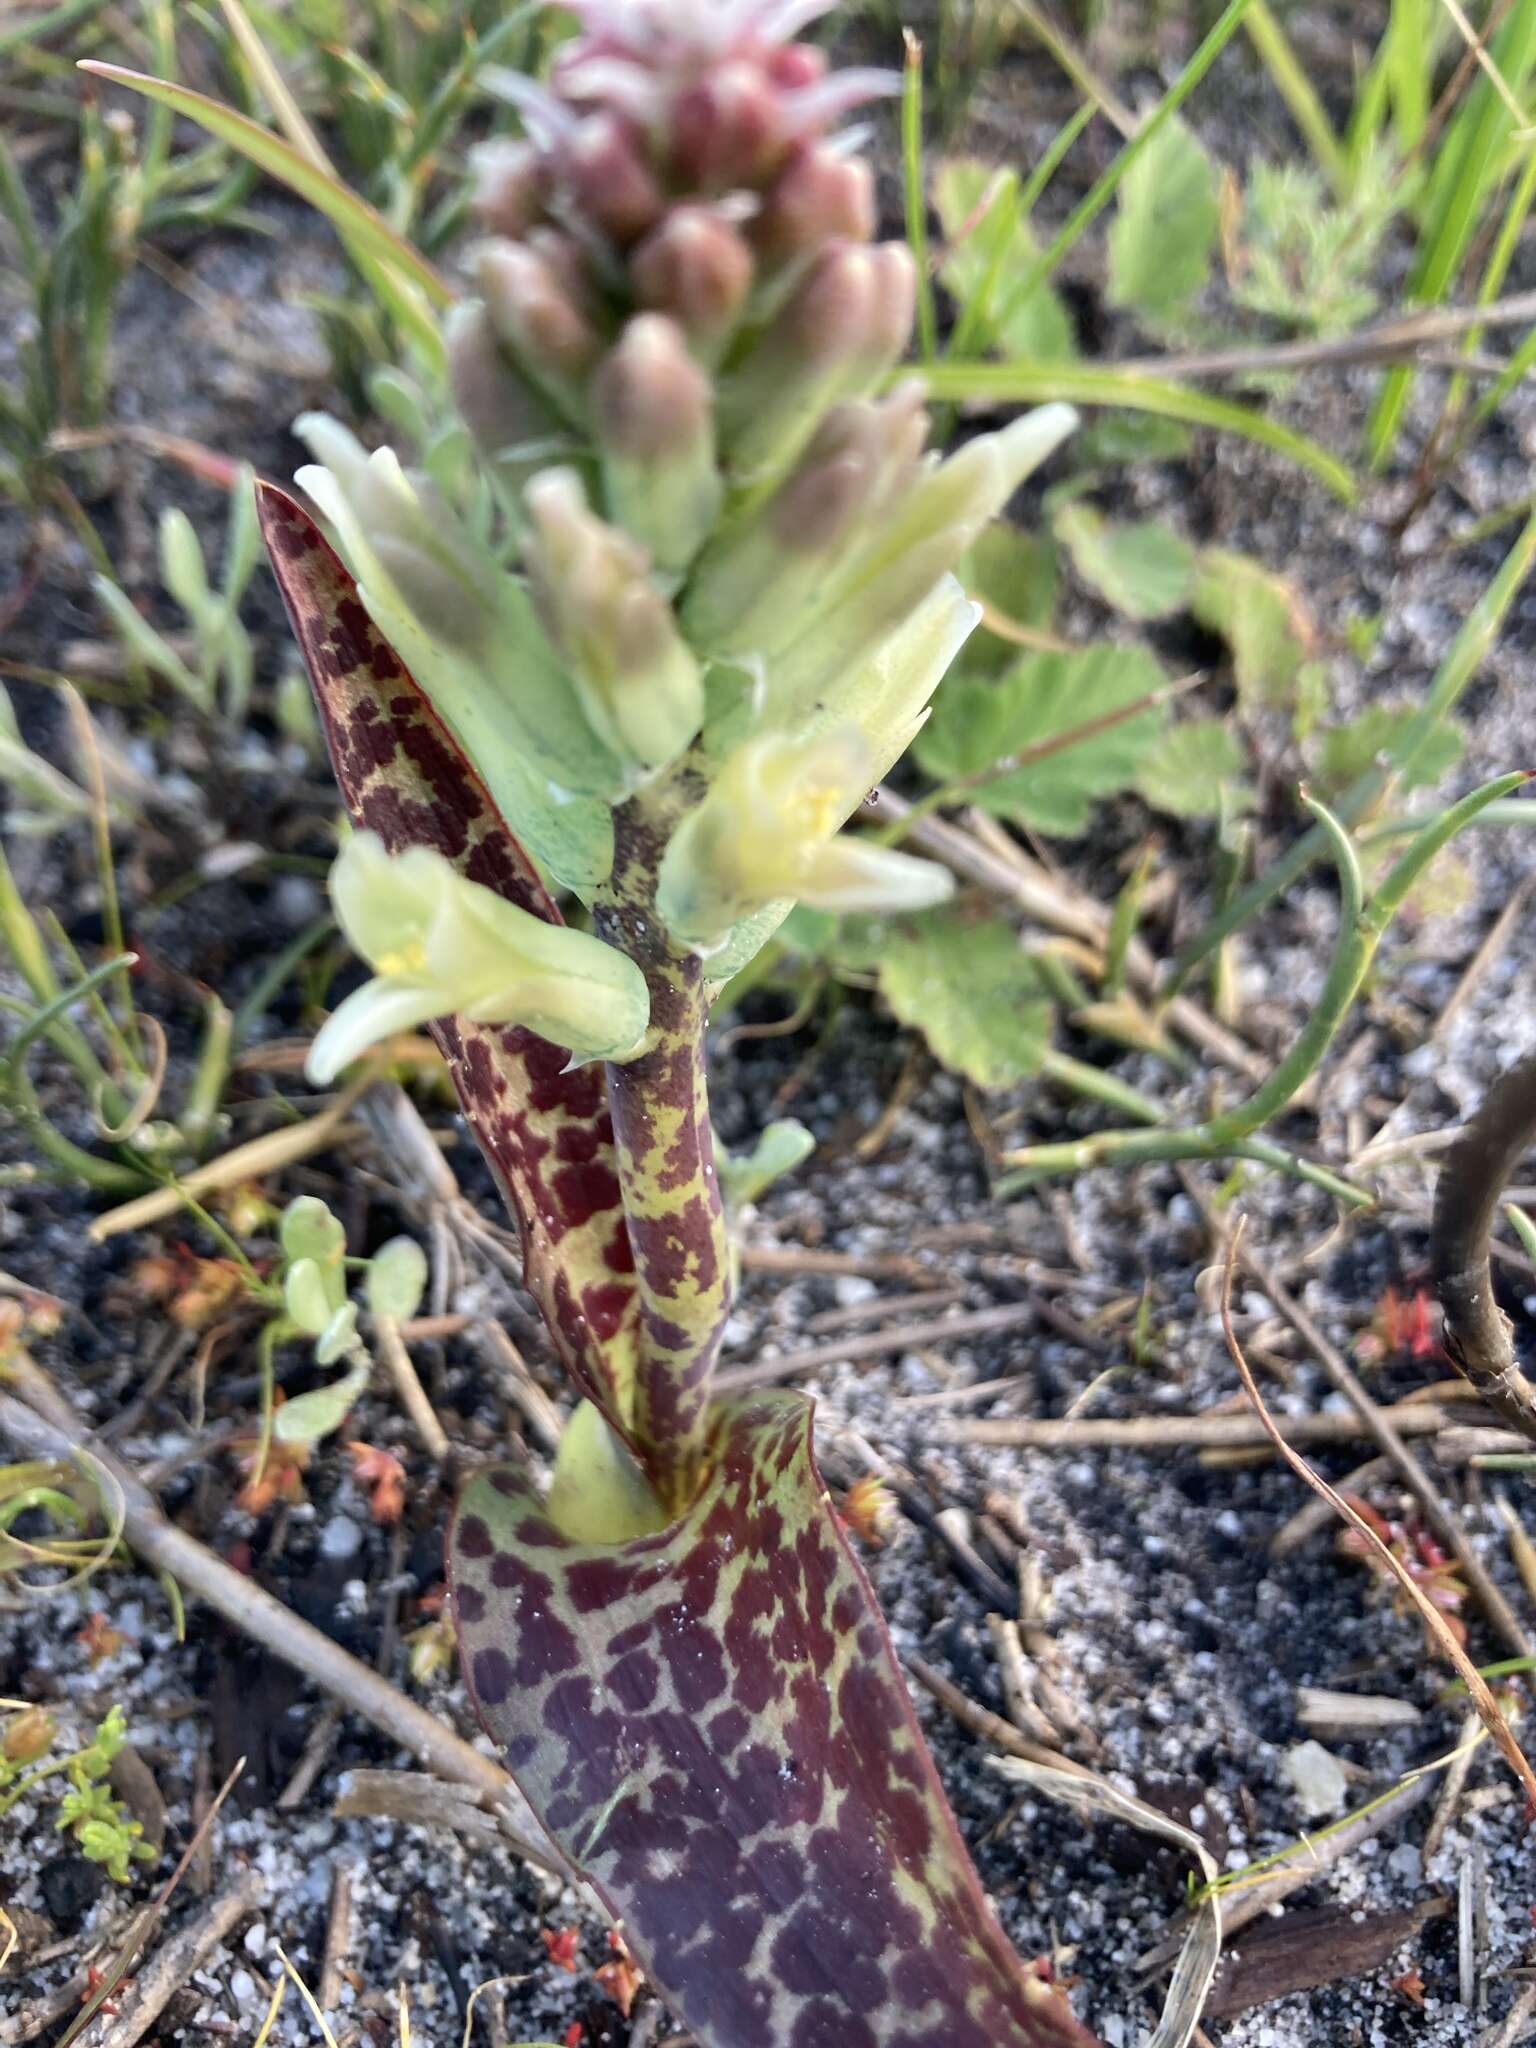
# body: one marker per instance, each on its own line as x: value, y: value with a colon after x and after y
x: 410, y: 959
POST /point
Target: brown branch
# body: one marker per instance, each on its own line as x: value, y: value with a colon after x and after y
x: 1476, y: 1171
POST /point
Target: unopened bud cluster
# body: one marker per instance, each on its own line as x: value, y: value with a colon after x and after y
x: 733, y: 553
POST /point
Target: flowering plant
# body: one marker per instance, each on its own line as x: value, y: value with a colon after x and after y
x: 697, y: 609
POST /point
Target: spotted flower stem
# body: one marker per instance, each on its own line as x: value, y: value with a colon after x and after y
x: 666, y: 1165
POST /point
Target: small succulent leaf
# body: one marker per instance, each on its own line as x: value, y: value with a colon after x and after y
x: 978, y: 723
x: 545, y: 1129
x: 710, y: 1723
x: 1139, y: 566
x: 397, y: 1279
x: 972, y: 991
x: 1195, y: 770
x: 996, y: 243
x: 746, y: 1176
x: 308, y: 1417
x: 309, y: 1231
x: 1164, y: 234
x: 305, y: 1297
x: 338, y: 1336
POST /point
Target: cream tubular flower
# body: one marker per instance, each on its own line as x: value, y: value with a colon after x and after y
x: 768, y: 830
x: 440, y: 945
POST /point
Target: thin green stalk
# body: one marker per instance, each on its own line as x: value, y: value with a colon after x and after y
x: 1462, y: 661
x: 1468, y: 161
x: 1351, y: 957
x: 1105, y: 187
x: 1511, y: 229
x: 1099, y: 1086
x: 1299, y: 94
x: 914, y: 194
x: 54, y: 22
x: 1025, y: 383
x: 200, y: 1110
x: 71, y: 1162
x: 1234, y: 1133
x: 20, y: 937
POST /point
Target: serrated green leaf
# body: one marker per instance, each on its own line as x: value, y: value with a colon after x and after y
x: 1347, y: 751
x: 978, y: 723
x: 999, y: 247
x: 1160, y: 245
x: 1262, y: 619
x: 1195, y: 770
x: 1015, y: 572
x: 972, y: 991
x: 1141, y: 567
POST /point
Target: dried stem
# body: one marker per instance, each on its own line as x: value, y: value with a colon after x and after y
x: 1478, y: 1334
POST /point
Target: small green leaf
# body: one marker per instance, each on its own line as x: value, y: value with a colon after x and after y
x: 397, y: 1279
x: 306, y: 1298
x: 972, y: 991
x: 1160, y: 245
x: 308, y: 1417
x: 1015, y: 573
x: 978, y: 724
x: 182, y: 569
x: 1262, y: 619
x: 338, y: 1336
x: 1347, y: 751
x: 988, y: 253
x: 1141, y: 567
x: 309, y: 1231
x: 1195, y: 770
x: 780, y: 1148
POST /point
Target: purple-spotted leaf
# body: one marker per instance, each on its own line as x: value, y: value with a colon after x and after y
x: 547, y: 1133
x: 711, y: 1724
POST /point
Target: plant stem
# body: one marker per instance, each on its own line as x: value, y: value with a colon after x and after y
x: 1299, y: 94
x: 666, y: 1161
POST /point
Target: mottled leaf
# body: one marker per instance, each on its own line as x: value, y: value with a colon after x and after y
x: 1160, y: 245
x: 547, y: 1133
x: 1140, y: 566
x: 1194, y: 769
x: 710, y: 1723
x: 1045, y: 698
x: 972, y: 991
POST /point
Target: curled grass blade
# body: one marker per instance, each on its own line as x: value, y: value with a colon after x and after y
x: 1021, y: 383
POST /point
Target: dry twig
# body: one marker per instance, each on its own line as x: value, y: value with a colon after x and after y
x: 1476, y: 1170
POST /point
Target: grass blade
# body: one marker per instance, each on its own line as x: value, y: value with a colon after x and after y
x: 1022, y: 383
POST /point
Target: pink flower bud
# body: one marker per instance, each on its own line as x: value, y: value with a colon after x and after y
x: 796, y: 65
x: 535, y: 318
x: 509, y: 186
x: 819, y: 197
x: 496, y: 404
x: 696, y: 267
x: 610, y: 179
x: 653, y: 410
x: 650, y: 399
x: 728, y: 130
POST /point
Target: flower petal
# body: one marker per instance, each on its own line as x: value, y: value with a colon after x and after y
x: 374, y: 1012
